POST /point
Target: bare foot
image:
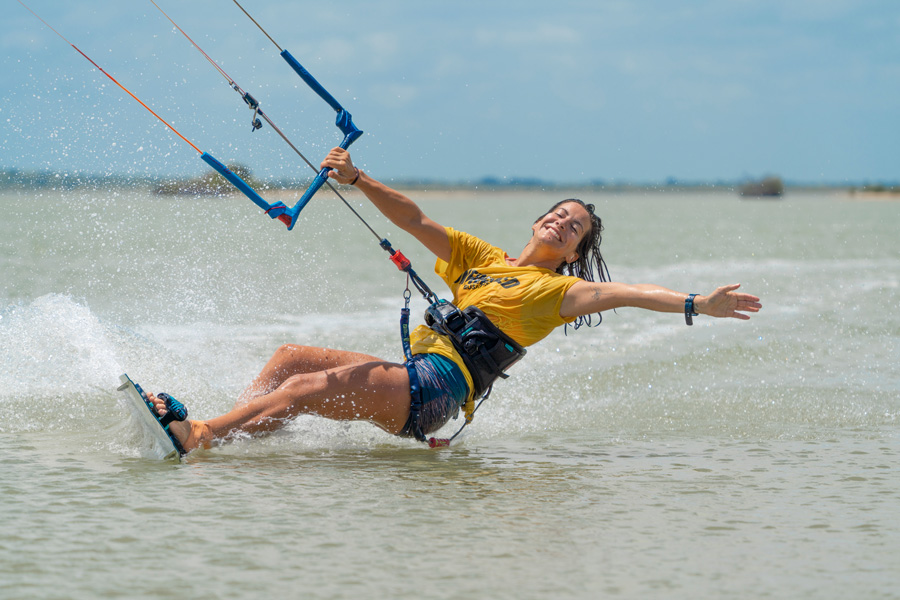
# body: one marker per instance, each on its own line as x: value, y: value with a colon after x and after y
x: 190, y: 434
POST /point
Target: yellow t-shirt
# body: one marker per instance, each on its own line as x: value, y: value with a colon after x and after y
x: 524, y: 302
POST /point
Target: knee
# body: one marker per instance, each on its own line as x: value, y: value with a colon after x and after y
x: 287, y: 349
x: 286, y: 352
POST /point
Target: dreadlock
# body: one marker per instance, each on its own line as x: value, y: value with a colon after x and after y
x: 589, y: 265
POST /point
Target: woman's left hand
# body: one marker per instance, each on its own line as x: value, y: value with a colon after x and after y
x: 726, y: 302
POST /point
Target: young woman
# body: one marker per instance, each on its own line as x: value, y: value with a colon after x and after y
x: 550, y: 283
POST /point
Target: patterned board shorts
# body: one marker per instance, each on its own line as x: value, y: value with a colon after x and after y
x: 442, y: 390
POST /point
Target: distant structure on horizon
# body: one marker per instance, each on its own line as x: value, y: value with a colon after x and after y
x: 769, y: 187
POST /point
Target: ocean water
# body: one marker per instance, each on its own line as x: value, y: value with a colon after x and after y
x: 638, y: 459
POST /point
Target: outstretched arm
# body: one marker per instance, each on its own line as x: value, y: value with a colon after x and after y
x: 586, y: 297
x: 403, y: 212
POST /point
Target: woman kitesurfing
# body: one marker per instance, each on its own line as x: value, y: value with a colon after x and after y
x: 524, y: 297
x: 501, y: 304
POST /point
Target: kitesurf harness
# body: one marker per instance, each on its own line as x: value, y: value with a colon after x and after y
x: 484, y: 348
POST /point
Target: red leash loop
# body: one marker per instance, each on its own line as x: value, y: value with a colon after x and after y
x: 401, y: 261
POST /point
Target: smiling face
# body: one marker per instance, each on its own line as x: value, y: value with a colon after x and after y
x: 563, y: 228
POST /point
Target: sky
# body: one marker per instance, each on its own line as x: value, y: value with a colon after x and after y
x: 569, y: 91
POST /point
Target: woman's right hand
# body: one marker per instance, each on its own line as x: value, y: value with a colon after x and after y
x: 341, y: 165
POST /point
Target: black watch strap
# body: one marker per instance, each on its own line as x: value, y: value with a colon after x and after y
x: 689, y: 309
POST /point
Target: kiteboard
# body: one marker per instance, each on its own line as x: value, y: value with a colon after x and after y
x: 158, y: 439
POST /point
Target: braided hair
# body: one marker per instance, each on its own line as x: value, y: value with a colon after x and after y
x: 589, y: 265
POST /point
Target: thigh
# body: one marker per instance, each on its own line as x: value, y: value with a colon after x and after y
x: 292, y: 359
x: 376, y: 391
x: 308, y: 359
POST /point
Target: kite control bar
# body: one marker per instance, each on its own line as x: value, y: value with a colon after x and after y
x: 344, y: 122
x: 279, y: 210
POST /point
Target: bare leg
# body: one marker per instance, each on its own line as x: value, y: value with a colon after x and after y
x: 290, y: 360
x: 374, y: 391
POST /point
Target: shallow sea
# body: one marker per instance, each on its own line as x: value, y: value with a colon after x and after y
x: 637, y: 459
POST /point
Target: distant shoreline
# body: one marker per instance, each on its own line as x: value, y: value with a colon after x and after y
x: 875, y: 196
x: 11, y: 179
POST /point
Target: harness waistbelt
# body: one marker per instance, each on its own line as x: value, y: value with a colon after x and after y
x: 486, y: 351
